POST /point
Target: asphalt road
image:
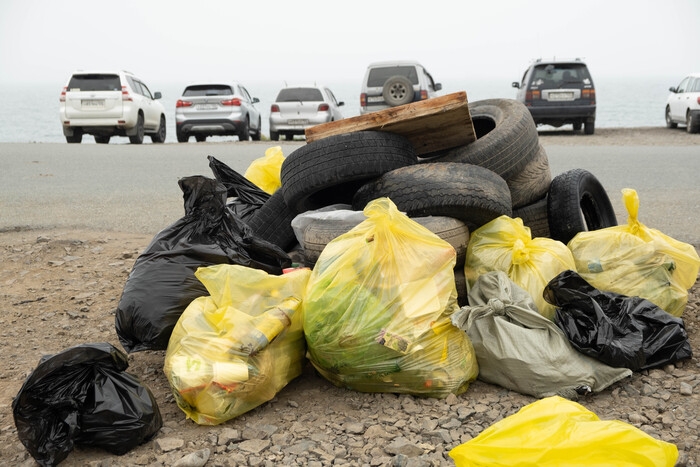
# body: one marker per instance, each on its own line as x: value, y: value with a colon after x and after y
x: 132, y: 188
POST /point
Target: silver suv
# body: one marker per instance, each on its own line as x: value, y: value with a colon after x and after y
x: 110, y: 103
x: 390, y: 84
x: 297, y: 108
x: 559, y: 92
x: 217, y: 109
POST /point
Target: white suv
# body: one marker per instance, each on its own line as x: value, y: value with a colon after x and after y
x: 110, y: 103
x: 389, y: 84
x: 683, y: 104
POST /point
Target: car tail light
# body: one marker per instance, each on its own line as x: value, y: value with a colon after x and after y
x: 363, y: 100
x: 62, y: 98
x: 532, y: 95
x: 698, y: 99
x: 423, y: 95
x: 274, y: 108
x: 588, y: 94
x: 125, y: 94
x: 324, y: 107
x: 181, y: 103
x: 235, y: 101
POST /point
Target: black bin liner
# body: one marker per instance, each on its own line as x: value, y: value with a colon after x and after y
x: 162, y: 282
x: 246, y: 196
x: 83, y: 395
x: 619, y: 330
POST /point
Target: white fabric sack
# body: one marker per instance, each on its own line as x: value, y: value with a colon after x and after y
x: 342, y: 212
x: 519, y: 349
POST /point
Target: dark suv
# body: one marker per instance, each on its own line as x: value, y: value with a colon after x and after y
x: 559, y: 92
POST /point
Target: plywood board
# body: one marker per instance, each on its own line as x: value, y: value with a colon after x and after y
x: 431, y: 125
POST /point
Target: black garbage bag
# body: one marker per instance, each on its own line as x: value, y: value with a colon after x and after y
x: 83, y: 395
x: 162, y: 282
x: 246, y: 196
x: 619, y: 330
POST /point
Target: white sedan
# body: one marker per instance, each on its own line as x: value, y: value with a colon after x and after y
x: 683, y: 104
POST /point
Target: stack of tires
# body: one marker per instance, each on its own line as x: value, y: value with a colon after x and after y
x: 505, y: 171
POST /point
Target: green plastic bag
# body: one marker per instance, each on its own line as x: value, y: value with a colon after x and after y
x: 556, y: 432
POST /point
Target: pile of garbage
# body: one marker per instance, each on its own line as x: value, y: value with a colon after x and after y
x: 399, y: 274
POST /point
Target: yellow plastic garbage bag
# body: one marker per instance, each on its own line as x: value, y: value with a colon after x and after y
x: 505, y: 244
x: 636, y: 260
x: 377, y: 310
x: 237, y: 348
x: 558, y: 432
x: 265, y: 171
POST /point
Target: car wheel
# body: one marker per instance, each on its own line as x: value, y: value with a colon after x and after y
x: 288, y: 137
x: 397, y: 90
x: 475, y: 195
x: 159, y: 136
x: 691, y: 124
x: 274, y: 136
x: 76, y: 138
x: 669, y: 122
x: 589, y: 127
x: 257, y: 133
x: 138, y: 137
x: 330, y: 170
x: 577, y: 126
x: 181, y: 136
x: 244, y: 131
x: 577, y: 202
x: 102, y: 139
x: 507, y: 138
x: 200, y: 138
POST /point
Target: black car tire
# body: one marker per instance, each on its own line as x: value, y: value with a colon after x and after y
x: 182, y: 137
x: 589, y: 126
x: 669, y: 121
x: 274, y: 136
x: 101, y: 139
x: 138, y: 137
x: 535, y: 217
x: 159, y: 136
x: 532, y: 182
x: 397, y: 90
x: 318, y: 233
x: 257, y: 133
x: 577, y: 202
x: 691, y: 123
x: 77, y: 137
x: 244, y: 131
x: 473, y: 194
x: 507, y: 138
x: 273, y: 222
x: 330, y: 170
x: 200, y: 138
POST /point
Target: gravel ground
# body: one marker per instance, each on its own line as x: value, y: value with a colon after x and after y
x: 60, y: 288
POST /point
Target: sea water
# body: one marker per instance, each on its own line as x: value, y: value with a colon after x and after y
x: 30, y: 112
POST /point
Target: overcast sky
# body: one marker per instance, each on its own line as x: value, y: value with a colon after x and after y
x: 329, y: 41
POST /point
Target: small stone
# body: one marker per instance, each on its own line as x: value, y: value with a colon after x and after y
x: 194, y: 459
x: 169, y: 444
x: 686, y: 389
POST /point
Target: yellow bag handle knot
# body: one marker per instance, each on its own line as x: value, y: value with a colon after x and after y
x: 521, y: 253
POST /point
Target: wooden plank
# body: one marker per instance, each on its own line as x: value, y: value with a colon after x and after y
x: 431, y: 125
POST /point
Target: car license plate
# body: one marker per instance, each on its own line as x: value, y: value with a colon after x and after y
x: 297, y: 121
x: 205, y: 106
x: 561, y: 96
x: 375, y: 99
x: 92, y: 103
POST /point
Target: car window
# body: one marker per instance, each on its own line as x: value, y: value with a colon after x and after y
x: 696, y: 86
x: 683, y: 86
x: 244, y: 93
x: 331, y: 96
x: 560, y: 74
x: 378, y: 76
x: 299, y: 94
x: 208, y: 90
x: 144, y: 90
x: 95, y: 82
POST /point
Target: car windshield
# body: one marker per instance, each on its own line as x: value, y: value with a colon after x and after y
x: 299, y: 94
x: 95, y: 82
x: 560, y: 74
x: 208, y: 90
x: 378, y: 76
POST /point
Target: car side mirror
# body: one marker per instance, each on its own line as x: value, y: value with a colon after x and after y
x: 516, y: 84
x: 341, y: 103
x: 157, y: 95
x: 255, y: 100
x: 673, y: 89
x: 438, y: 86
